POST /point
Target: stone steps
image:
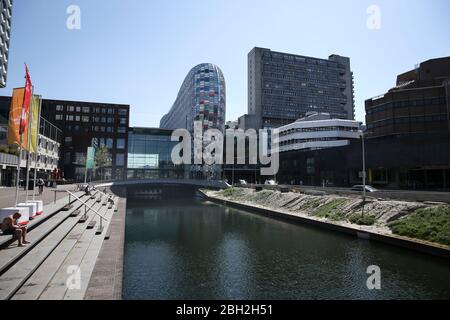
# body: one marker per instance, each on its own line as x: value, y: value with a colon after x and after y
x: 83, y: 255
x: 49, y: 211
x: 38, y: 230
x: 35, y: 285
x: 21, y: 270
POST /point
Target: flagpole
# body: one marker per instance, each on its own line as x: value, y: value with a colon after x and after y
x: 37, y: 147
x: 27, y: 85
x: 30, y: 121
x: 18, y: 168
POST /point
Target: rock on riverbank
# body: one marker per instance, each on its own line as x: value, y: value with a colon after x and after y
x: 378, y: 214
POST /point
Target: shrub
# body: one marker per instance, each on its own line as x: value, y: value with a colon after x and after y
x: 430, y: 224
x: 366, y: 220
x: 331, y: 210
x: 230, y: 192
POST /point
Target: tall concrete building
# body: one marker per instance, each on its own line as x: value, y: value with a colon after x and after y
x: 5, y: 34
x: 201, y: 98
x: 284, y: 87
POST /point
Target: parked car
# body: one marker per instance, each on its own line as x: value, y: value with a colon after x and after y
x: 271, y: 183
x: 242, y: 182
x: 360, y: 188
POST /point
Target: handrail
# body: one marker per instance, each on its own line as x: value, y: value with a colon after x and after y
x: 95, y: 211
x: 105, y: 194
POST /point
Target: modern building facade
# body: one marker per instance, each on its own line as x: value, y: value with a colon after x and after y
x: 5, y: 35
x: 86, y: 124
x: 317, y: 131
x: 410, y: 162
x: 419, y: 104
x: 149, y: 155
x: 202, y: 97
x: 283, y: 87
x: 49, y: 145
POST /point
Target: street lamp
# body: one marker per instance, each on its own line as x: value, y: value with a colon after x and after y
x: 364, y: 169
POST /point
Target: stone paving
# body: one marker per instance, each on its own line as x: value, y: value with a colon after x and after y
x: 7, y: 195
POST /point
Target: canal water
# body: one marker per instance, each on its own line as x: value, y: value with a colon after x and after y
x: 193, y: 249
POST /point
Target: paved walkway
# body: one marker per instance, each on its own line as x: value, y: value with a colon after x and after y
x: 7, y: 195
x: 106, y: 278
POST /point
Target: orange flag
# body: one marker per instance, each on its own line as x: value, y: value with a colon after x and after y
x: 15, y: 114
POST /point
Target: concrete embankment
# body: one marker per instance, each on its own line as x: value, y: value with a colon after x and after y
x: 331, y: 212
x: 106, y: 280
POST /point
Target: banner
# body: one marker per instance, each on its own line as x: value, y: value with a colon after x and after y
x: 26, y: 102
x: 15, y: 113
x: 35, y: 104
x: 90, y: 158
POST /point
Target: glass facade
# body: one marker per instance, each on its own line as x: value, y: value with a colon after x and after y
x: 201, y: 98
x: 149, y: 155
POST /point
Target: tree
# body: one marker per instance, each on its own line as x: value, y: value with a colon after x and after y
x: 102, y: 160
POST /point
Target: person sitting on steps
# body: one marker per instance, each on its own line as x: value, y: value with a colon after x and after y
x: 10, y: 227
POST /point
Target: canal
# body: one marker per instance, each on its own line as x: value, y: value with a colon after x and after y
x: 192, y: 249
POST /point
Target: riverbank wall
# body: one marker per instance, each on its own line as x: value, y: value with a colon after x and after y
x: 360, y: 232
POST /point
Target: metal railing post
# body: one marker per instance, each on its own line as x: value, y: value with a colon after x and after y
x: 86, y: 205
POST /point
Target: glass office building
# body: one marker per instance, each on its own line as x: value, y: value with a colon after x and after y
x: 201, y: 98
x: 149, y: 155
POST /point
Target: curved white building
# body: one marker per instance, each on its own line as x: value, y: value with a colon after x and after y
x: 317, y: 131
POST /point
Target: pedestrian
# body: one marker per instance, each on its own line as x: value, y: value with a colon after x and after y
x: 10, y: 226
x: 40, y: 184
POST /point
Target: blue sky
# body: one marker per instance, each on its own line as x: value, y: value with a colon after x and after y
x: 139, y: 51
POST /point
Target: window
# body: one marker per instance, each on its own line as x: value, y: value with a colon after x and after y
x: 68, y: 140
x: 70, y: 108
x: 123, y: 120
x: 77, y: 118
x: 121, y: 130
x: 86, y: 109
x: 85, y: 119
x: 109, y: 143
x: 120, y: 143
x: 59, y: 117
x: 80, y: 158
x: 69, y: 117
x: 59, y: 108
x: 67, y: 158
x: 123, y: 112
x: 78, y: 109
x: 120, y: 159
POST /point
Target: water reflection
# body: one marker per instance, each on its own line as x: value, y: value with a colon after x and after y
x: 191, y: 249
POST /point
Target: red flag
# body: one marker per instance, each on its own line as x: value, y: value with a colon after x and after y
x: 26, y: 101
